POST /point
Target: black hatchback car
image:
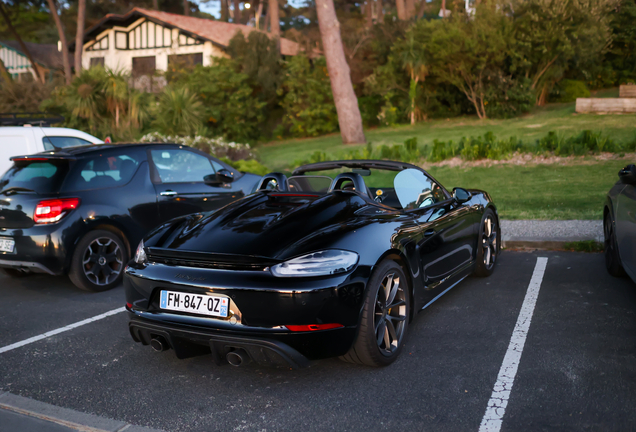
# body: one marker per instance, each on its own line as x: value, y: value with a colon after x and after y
x: 80, y: 211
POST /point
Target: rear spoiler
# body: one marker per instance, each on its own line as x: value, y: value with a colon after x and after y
x: 33, y: 158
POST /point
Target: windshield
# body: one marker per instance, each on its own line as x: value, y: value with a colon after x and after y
x: 416, y: 190
x: 42, y: 177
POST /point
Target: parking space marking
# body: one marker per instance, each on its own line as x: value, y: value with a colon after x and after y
x: 60, y: 330
x: 496, y: 408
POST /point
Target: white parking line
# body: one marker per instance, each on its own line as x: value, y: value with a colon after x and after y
x: 496, y: 408
x: 60, y: 330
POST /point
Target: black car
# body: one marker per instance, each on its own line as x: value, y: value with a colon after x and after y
x: 80, y: 210
x: 619, y: 225
x: 332, y: 261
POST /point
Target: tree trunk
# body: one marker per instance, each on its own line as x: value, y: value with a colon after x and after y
x: 344, y: 97
x: 237, y: 11
x: 401, y: 9
x: 380, y: 13
x: 409, y: 9
x: 274, y: 20
x: 4, y: 73
x: 39, y: 74
x: 68, y: 75
x: 155, y: 4
x: 79, y: 37
x: 422, y: 9
x: 257, y: 15
x: 225, y: 11
x: 368, y: 11
x: 186, y: 7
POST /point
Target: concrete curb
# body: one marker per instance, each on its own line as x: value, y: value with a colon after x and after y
x: 66, y: 417
x: 539, y: 244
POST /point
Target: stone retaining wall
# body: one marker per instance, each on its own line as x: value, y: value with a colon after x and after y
x: 606, y: 105
x: 627, y: 91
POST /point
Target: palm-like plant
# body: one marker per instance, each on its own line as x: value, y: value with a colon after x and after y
x: 115, y: 89
x: 84, y: 98
x: 179, y: 112
x: 412, y: 59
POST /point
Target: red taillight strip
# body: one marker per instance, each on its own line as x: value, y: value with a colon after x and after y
x: 313, y: 327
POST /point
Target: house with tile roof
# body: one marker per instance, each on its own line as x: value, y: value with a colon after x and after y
x: 46, y: 56
x: 143, y: 41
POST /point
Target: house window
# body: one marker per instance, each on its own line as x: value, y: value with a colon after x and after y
x: 145, y: 35
x: 121, y: 40
x: 184, y: 60
x: 143, y: 66
x: 97, y: 61
x: 100, y: 45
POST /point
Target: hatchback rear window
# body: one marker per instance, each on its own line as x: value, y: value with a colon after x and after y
x: 43, y: 177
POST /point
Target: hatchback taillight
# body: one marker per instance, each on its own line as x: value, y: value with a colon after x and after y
x: 50, y: 211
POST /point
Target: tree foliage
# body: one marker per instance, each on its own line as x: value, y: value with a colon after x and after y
x: 307, y: 99
x: 551, y: 36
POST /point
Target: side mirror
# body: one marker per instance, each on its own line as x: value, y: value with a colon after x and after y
x: 461, y: 195
x: 222, y: 176
x: 628, y: 174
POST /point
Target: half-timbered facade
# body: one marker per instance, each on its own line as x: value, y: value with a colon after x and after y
x: 144, y: 41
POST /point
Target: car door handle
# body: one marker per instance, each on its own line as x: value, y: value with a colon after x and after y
x: 429, y: 233
x: 168, y: 193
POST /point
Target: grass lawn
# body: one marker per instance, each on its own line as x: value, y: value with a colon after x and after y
x: 571, y: 191
x: 561, y: 118
x: 539, y: 191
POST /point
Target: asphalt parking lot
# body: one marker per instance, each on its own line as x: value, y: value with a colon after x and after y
x: 577, y: 369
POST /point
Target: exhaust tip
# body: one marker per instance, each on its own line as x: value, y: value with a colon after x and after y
x: 238, y: 358
x: 159, y: 344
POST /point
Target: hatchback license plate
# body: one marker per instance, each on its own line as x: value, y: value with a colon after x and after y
x: 6, y: 245
x: 194, y: 303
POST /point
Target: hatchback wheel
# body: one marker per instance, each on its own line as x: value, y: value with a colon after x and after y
x: 98, y: 262
x: 612, y: 258
x: 385, y: 318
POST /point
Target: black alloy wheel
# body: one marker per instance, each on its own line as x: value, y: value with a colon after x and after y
x: 488, y: 245
x: 385, y: 318
x: 98, y: 262
x: 612, y: 257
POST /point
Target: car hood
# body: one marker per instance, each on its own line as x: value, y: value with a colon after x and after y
x: 274, y: 226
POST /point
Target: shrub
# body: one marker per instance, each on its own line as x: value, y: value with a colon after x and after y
x: 252, y: 166
x: 508, y: 97
x: 308, y: 101
x: 569, y: 90
x: 229, y: 107
x: 217, y: 147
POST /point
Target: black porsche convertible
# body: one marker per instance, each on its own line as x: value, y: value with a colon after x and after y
x: 333, y: 261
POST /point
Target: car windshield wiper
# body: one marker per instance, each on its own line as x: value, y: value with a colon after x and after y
x: 15, y: 189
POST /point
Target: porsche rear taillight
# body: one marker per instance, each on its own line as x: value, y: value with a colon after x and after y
x: 51, y: 211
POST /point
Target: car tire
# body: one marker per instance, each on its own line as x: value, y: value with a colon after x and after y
x: 15, y: 273
x: 98, y: 261
x: 387, y: 322
x: 488, y: 244
x: 612, y: 257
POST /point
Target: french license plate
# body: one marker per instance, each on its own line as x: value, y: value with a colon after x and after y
x: 6, y: 244
x: 194, y: 303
